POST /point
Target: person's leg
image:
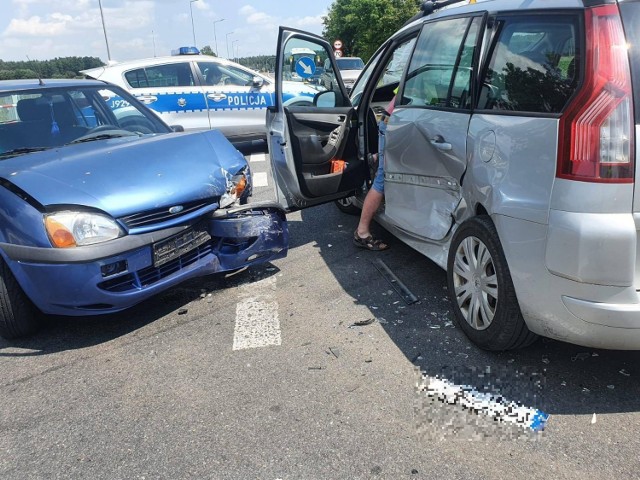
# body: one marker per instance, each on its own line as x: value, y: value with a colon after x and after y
x: 374, y: 197
x: 372, y: 202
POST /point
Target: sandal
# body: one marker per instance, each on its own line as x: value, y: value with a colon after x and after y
x: 369, y: 243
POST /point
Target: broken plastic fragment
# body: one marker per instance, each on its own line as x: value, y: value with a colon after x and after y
x: 580, y: 356
x: 593, y: 419
x: 362, y: 323
x: 625, y: 373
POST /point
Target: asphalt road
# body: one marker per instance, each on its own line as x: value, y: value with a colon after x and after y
x: 264, y: 375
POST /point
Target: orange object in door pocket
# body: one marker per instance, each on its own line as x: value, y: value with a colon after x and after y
x: 337, y: 166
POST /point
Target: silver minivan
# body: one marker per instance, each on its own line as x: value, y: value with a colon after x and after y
x: 509, y: 160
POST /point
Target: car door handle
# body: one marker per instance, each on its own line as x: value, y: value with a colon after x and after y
x: 147, y: 99
x: 439, y: 143
x: 216, y: 97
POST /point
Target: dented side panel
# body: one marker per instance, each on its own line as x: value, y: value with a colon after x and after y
x: 425, y: 159
x: 513, y: 165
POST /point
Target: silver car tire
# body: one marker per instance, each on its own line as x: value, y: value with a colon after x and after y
x: 481, y: 289
x: 347, y: 205
x: 18, y: 316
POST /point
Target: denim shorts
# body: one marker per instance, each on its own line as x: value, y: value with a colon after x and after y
x: 378, y: 181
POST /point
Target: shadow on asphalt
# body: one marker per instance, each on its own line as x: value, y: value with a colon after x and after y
x: 574, y: 379
x: 61, y: 333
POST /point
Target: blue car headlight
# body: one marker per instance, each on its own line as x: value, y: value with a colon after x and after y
x: 71, y: 229
x: 235, y: 187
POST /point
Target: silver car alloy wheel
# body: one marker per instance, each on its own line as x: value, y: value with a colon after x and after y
x: 475, y: 282
x: 346, y: 202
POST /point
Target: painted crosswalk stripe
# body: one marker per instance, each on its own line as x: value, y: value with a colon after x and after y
x: 257, y: 322
x: 257, y: 157
x: 260, y: 179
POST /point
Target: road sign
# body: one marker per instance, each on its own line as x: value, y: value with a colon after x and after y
x: 337, y: 44
x: 337, y: 53
x: 305, y: 67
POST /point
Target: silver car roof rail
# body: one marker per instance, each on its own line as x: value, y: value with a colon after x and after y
x: 430, y: 6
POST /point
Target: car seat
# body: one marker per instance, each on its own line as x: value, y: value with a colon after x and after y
x: 213, y: 76
x: 37, y: 116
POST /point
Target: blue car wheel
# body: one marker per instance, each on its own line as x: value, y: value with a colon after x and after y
x: 18, y: 316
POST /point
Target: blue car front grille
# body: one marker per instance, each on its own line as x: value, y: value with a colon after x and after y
x: 150, y: 275
x: 159, y: 215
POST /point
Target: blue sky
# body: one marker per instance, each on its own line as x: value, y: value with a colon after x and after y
x: 45, y: 29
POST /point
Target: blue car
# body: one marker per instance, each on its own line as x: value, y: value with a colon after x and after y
x: 102, y: 205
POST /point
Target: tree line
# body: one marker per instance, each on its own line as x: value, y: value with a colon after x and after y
x: 64, y: 67
x: 361, y: 25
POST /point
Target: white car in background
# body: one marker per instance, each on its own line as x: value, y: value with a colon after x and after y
x: 350, y: 69
x: 201, y: 92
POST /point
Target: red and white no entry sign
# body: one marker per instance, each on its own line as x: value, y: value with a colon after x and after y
x: 337, y: 44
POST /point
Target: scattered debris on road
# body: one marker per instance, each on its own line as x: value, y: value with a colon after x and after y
x: 362, y: 323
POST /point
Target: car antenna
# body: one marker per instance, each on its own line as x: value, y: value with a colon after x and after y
x: 40, y: 82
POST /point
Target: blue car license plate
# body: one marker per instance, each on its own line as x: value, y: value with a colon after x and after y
x: 178, y: 245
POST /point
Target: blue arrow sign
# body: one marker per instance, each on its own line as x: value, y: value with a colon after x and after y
x: 305, y: 67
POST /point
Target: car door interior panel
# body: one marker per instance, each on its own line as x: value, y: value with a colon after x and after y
x: 319, y: 141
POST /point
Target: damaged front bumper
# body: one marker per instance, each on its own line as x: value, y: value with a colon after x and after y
x: 115, y: 275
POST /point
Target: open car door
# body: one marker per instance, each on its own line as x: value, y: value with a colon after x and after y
x: 312, y: 144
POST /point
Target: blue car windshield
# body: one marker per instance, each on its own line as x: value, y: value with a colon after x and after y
x: 38, y: 119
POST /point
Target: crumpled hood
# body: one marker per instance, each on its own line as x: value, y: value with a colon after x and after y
x: 126, y: 175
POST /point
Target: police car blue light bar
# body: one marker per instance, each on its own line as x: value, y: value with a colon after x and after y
x: 491, y: 405
x: 186, y: 51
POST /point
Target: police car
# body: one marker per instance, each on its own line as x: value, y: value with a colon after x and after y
x: 203, y: 92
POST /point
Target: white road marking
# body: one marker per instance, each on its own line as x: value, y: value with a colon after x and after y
x: 258, y: 157
x: 257, y: 322
x: 260, y: 179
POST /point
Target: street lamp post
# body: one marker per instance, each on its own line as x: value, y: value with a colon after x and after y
x: 235, y: 56
x: 227, y: 41
x: 215, y: 39
x: 104, y: 28
x: 193, y: 28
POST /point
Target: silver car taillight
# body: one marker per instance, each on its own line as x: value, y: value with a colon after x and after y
x: 596, y: 130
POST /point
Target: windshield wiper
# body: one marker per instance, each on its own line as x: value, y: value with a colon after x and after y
x: 23, y: 150
x: 102, y: 136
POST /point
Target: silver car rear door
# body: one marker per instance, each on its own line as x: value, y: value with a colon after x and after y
x: 426, y: 138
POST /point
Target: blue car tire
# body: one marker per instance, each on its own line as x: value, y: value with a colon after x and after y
x: 18, y: 316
